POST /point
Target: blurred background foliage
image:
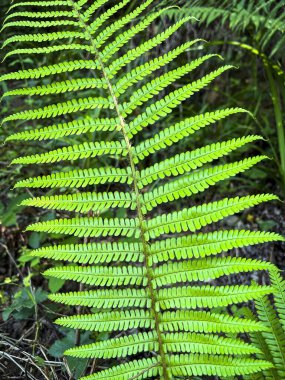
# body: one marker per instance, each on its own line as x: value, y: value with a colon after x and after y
x: 249, y: 34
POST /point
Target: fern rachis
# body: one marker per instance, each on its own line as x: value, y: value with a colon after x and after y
x: 141, y: 284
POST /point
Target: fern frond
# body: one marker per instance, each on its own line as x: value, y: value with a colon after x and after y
x: 48, y: 50
x: 185, y: 162
x: 135, y: 369
x: 109, y: 321
x: 279, y: 294
x: 39, y: 15
x: 199, y: 365
x: 203, y: 245
x: 59, y: 87
x: 275, y: 336
x: 95, y: 25
x: 45, y: 71
x: 206, y: 322
x: 209, y: 296
x: 195, y: 218
x: 119, y: 24
x: 56, y: 36
x: 147, y: 68
x: 75, y: 152
x: 93, y: 253
x: 171, y: 135
x: 203, y: 270
x: 52, y: 3
x: 75, y: 127
x: 92, y: 8
x: 118, y: 347
x: 164, y: 106
x: 132, y: 54
x: 110, y: 50
x: 100, y: 276
x: 153, y: 88
x: 141, y: 286
x: 59, y: 109
x: 205, y: 344
x: 89, y: 227
x: 195, y: 183
x: 83, y: 202
x: 78, y: 178
x: 38, y: 24
x: 106, y: 299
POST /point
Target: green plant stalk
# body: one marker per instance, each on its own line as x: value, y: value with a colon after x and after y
x: 278, y: 118
x: 135, y: 189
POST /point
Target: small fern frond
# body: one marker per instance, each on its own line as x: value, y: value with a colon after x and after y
x: 106, y: 299
x: 38, y: 24
x: 131, y: 370
x: 78, y: 178
x: 137, y: 52
x: 206, y: 322
x: 75, y: 152
x: 75, y: 127
x: 119, y: 24
x: 164, y: 106
x: 174, y: 134
x: 194, y: 183
x: 275, y: 336
x: 202, y: 270
x: 93, y: 253
x: 208, y: 296
x: 188, y: 161
x: 142, y: 71
x: 109, y: 321
x: 46, y: 71
x: 59, y: 109
x: 83, y: 202
x: 52, y: 3
x: 95, y: 25
x: 43, y: 37
x: 59, y: 87
x: 203, y: 245
x: 89, y: 227
x: 100, y: 276
x: 279, y: 295
x: 199, y: 365
x: 195, y: 218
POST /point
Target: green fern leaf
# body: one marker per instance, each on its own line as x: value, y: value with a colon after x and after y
x: 75, y: 152
x: 150, y: 287
x: 208, y: 296
x: 79, y: 178
x: 203, y: 245
x: 100, y: 276
x: 75, y: 127
x: 93, y: 252
x: 202, y: 270
x: 188, y: 161
x: 89, y: 227
x: 275, y: 337
x: 84, y: 202
x: 105, y: 299
x: 171, y: 135
x: 195, y: 218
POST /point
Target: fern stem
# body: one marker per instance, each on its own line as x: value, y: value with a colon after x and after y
x: 135, y: 188
x: 279, y: 119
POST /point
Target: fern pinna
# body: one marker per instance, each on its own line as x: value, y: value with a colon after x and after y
x: 145, y: 274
